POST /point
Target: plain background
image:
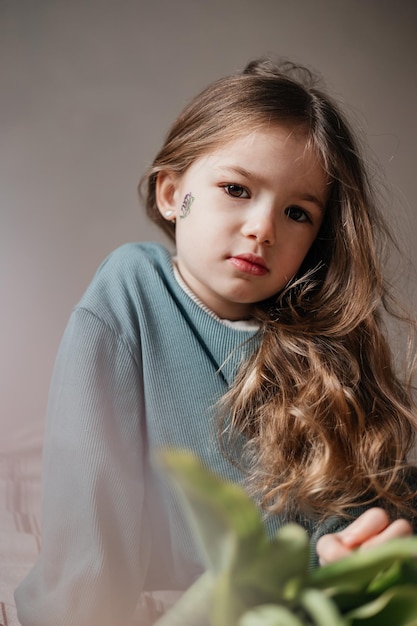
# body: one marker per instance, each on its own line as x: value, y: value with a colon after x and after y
x: 88, y: 89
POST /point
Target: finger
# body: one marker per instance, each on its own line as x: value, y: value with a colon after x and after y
x: 330, y: 548
x: 398, y: 528
x: 366, y: 526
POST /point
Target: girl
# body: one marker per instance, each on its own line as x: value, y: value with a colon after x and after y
x: 272, y: 303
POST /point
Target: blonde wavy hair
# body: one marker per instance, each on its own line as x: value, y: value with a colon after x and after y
x: 318, y: 415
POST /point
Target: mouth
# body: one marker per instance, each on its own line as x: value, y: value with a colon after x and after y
x: 249, y: 264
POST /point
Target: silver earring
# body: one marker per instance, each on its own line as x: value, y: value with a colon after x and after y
x: 169, y: 213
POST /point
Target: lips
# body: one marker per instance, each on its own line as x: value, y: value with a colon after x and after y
x: 249, y: 264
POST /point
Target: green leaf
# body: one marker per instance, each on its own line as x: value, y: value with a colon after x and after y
x: 228, y: 601
x: 270, y: 615
x: 194, y: 606
x: 273, y: 573
x: 321, y: 609
x: 278, y: 567
x: 348, y: 600
x: 219, y: 511
x: 398, y: 573
x: 250, y: 568
x: 360, y: 568
x: 396, y: 607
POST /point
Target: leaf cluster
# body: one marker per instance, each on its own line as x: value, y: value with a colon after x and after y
x: 252, y: 580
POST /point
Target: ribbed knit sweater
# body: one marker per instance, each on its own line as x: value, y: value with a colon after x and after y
x: 140, y: 367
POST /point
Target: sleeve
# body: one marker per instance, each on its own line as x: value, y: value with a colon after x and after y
x: 334, y: 524
x: 94, y: 551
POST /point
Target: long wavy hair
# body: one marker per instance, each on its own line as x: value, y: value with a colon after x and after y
x: 324, y: 419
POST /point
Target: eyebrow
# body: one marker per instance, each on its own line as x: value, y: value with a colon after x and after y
x: 308, y: 197
x: 237, y: 169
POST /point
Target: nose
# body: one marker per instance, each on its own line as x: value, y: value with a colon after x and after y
x: 260, y: 226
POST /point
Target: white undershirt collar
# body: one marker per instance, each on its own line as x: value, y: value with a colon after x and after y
x: 248, y: 325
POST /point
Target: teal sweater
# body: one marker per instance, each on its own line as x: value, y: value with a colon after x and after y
x: 140, y: 367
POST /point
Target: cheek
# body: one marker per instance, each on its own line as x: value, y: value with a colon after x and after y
x: 294, y: 257
x: 206, y: 222
x: 298, y: 251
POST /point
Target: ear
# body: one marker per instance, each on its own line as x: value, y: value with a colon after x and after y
x: 166, y: 194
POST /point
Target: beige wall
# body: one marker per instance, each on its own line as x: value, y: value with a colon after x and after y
x: 88, y: 89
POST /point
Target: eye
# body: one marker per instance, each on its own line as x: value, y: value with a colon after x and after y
x: 236, y: 191
x: 297, y: 214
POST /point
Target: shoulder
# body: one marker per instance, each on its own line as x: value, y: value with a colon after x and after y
x: 128, y: 270
x: 132, y: 259
x: 129, y: 278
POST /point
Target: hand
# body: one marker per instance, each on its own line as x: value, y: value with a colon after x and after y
x: 370, y: 529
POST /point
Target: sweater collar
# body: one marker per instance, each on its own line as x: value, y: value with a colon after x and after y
x: 227, y: 346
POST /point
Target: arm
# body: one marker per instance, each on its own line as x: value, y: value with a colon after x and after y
x: 94, y: 546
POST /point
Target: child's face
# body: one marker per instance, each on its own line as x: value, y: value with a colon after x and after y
x: 246, y: 216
